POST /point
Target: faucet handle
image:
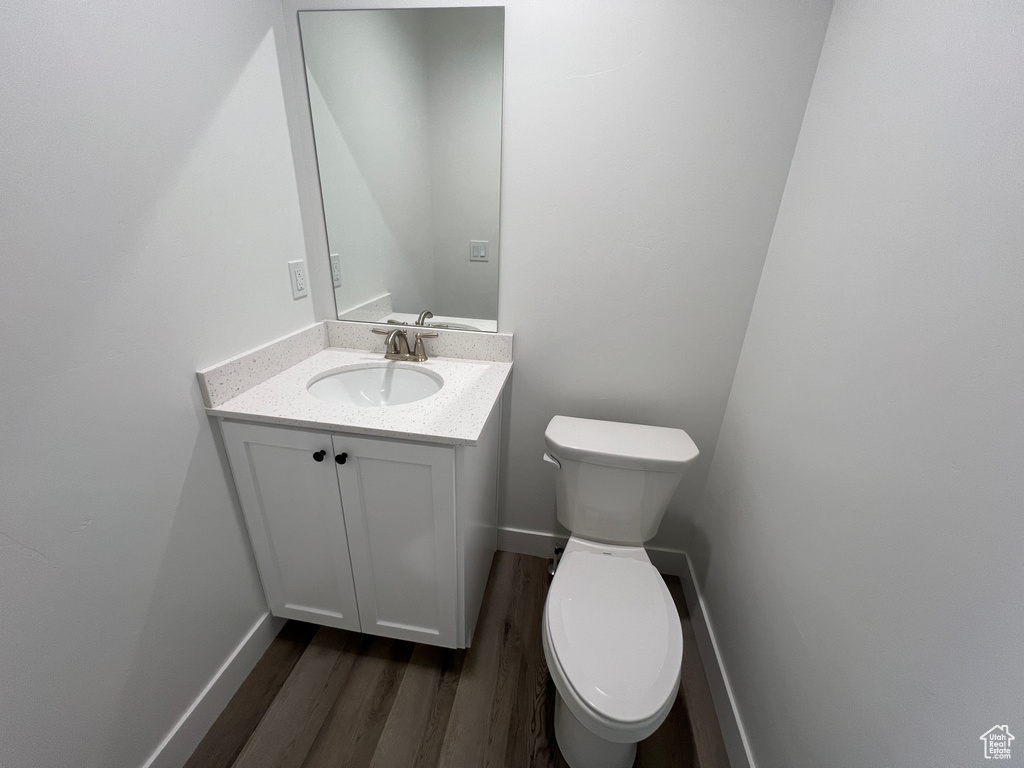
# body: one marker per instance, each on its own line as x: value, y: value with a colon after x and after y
x: 419, y: 353
x: 389, y: 342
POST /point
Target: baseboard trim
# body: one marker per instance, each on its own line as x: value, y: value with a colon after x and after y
x: 525, y: 542
x: 181, y: 741
x: 736, y: 745
x: 677, y: 563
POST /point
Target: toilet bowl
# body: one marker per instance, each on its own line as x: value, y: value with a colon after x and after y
x: 614, y: 648
x: 611, y: 633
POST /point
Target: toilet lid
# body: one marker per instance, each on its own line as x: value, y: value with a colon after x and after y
x: 616, y: 634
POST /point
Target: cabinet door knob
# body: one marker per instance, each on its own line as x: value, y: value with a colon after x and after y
x: 319, y: 455
x: 341, y: 458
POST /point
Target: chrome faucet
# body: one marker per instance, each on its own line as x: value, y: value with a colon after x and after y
x: 396, y: 345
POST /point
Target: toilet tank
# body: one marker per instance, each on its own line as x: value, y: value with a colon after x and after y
x: 614, y: 480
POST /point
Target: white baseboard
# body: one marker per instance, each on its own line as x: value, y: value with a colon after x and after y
x: 671, y: 561
x: 179, y: 744
x: 535, y: 543
x: 736, y: 746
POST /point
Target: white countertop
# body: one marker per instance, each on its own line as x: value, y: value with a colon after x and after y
x: 454, y: 415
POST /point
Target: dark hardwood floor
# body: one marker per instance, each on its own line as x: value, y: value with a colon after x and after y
x: 325, y: 697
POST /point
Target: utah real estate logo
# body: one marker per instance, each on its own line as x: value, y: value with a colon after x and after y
x: 997, y: 742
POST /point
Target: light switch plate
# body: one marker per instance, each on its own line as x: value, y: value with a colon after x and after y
x: 297, y: 271
x: 478, y: 250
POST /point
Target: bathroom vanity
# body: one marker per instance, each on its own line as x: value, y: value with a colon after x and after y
x: 380, y: 518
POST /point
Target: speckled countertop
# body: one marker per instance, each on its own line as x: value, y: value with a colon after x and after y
x: 454, y: 415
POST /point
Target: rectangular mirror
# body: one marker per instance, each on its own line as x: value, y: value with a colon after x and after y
x: 406, y: 109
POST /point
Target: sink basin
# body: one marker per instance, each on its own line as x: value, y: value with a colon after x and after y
x: 375, y: 384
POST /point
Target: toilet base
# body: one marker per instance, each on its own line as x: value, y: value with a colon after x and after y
x: 582, y: 748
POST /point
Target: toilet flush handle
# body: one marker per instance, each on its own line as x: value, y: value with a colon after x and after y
x: 552, y: 460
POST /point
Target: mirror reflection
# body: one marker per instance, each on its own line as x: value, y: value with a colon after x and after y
x: 406, y: 108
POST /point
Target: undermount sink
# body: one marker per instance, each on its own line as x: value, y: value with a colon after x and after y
x: 374, y: 385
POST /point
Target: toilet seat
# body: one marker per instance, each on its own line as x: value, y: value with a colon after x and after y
x: 614, y: 643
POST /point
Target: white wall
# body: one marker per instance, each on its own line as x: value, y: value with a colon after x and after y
x: 149, y: 206
x: 370, y: 70
x: 865, y: 563
x: 644, y: 153
x: 464, y: 74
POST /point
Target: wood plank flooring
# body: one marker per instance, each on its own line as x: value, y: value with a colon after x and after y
x: 326, y: 697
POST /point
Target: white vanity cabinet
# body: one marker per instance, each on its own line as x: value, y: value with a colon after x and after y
x: 379, y: 535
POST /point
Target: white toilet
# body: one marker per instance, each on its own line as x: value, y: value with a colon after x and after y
x: 612, y: 638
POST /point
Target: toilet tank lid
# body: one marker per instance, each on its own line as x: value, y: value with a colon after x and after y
x: 616, y: 444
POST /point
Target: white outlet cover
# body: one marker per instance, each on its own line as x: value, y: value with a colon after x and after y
x: 297, y: 272
x: 336, y: 269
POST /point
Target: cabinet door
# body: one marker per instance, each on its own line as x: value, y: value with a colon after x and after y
x: 293, y: 511
x: 399, y: 501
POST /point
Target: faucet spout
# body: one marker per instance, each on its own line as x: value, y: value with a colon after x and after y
x: 396, y: 345
x: 424, y: 316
